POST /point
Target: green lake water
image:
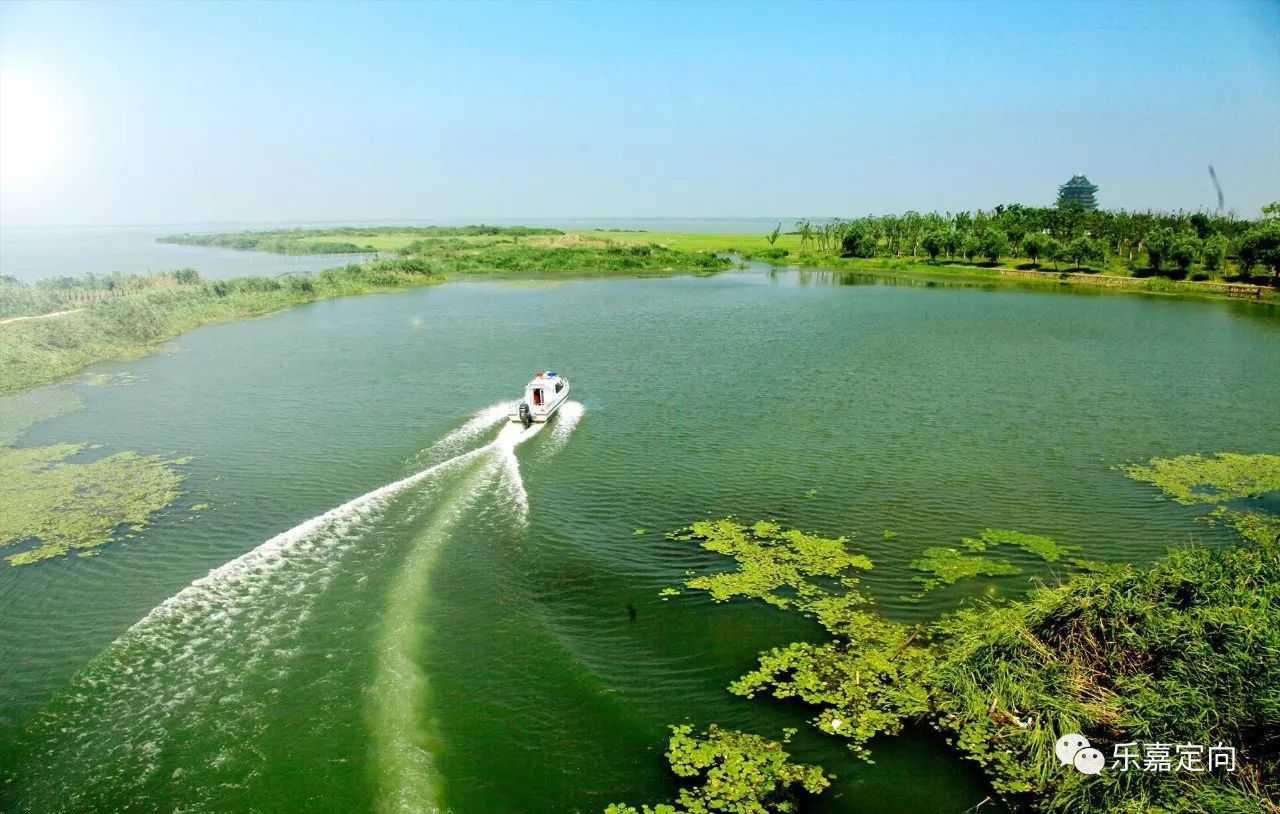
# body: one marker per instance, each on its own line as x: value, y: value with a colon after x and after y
x: 419, y: 607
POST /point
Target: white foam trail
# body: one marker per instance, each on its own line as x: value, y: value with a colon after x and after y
x: 193, y: 683
x: 474, y: 428
x: 509, y: 467
x: 566, y: 419
x: 198, y: 662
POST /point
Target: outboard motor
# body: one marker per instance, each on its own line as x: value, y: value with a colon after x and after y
x: 526, y: 415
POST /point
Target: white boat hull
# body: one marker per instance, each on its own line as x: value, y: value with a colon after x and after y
x: 541, y: 413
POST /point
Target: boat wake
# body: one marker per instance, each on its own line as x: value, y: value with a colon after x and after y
x: 402, y: 739
x: 566, y: 420
x: 179, y: 711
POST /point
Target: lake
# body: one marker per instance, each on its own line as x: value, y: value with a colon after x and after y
x: 419, y: 606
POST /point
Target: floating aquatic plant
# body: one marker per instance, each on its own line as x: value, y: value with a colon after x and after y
x: 736, y: 771
x: 71, y: 507
x: 1182, y: 649
x: 1193, y: 479
x: 1043, y: 547
x: 1228, y: 476
x: 773, y: 564
x: 947, y: 566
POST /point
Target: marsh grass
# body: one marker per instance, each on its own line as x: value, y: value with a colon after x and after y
x: 33, y: 352
x: 344, y: 239
x: 127, y: 315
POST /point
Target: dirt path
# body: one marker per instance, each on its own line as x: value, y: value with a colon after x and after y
x: 41, y: 316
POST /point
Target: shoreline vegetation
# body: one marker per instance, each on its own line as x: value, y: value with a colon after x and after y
x: 1180, y: 652
x: 1196, y: 254
x: 119, y: 315
x: 341, y: 239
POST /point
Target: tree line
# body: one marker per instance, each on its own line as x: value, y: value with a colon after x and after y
x: 1139, y: 242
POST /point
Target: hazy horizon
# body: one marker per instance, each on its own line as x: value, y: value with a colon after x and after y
x: 133, y: 114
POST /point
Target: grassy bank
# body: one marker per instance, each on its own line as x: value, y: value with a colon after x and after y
x: 124, y: 315
x: 1179, y: 654
x: 135, y: 321
x: 873, y: 245
x: 344, y: 239
x: 1012, y: 271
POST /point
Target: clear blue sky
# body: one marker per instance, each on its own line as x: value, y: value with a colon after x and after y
x: 186, y: 112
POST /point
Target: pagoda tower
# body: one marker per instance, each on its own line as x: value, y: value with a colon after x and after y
x: 1077, y: 193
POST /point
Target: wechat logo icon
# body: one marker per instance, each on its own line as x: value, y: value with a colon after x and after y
x: 1073, y: 749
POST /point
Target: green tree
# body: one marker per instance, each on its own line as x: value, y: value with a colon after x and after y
x: 772, y: 237
x: 805, y: 230
x: 933, y: 244
x: 1159, y: 244
x: 858, y: 242
x: 952, y: 241
x: 1184, y: 250
x: 969, y: 246
x: 1215, y: 253
x: 1033, y: 246
x: 1261, y: 247
x: 1083, y: 249
x: 1053, y: 251
x: 993, y: 243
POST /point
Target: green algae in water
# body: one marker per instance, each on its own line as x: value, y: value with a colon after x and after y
x: 1194, y: 479
x: 72, y: 507
x: 1002, y: 679
x: 1043, y: 547
x: 733, y: 771
x: 1229, y: 476
x: 772, y: 562
x: 947, y: 566
x: 1258, y: 527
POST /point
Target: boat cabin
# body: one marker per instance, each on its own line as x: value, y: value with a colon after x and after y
x: 542, y: 397
x: 545, y: 388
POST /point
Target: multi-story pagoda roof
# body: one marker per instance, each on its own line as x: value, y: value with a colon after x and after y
x: 1078, y: 192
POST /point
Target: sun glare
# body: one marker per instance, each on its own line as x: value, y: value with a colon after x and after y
x: 31, y: 133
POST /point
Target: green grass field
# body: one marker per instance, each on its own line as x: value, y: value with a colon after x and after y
x: 698, y: 242
x: 395, y: 241
x: 684, y: 241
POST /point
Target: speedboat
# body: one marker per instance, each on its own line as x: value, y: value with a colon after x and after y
x: 546, y: 392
